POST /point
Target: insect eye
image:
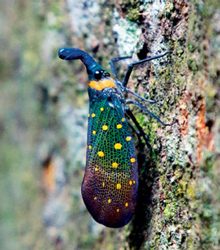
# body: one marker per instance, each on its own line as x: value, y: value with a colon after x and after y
x: 98, y: 75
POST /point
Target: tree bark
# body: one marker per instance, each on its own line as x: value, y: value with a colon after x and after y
x: 178, y: 203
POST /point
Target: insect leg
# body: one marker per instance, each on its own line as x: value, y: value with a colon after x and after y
x: 142, y: 98
x: 116, y: 59
x: 140, y: 130
x: 145, y: 110
x: 131, y: 66
x: 135, y: 131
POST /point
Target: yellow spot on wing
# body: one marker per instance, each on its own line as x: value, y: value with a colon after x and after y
x: 119, y: 126
x: 134, y: 182
x: 132, y: 160
x: 95, y: 198
x: 109, y: 200
x: 101, y: 109
x: 100, y: 153
x: 123, y: 119
x: 104, y: 127
x: 96, y: 169
x: 103, y: 184
x: 117, y: 210
x: 93, y: 115
x: 118, y: 146
x: 88, y: 115
x: 114, y: 164
x: 102, y: 84
x: 94, y: 132
x: 130, y: 182
x: 128, y: 138
x: 126, y: 204
x: 118, y: 186
x: 90, y: 147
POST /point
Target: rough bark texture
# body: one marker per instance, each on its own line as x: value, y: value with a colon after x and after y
x: 44, y: 120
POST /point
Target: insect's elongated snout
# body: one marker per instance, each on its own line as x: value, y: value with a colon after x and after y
x: 74, y: 54
x: 70, y: 54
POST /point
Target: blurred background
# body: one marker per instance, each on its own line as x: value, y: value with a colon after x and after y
x: 25, y: 67
x: 32, y: 180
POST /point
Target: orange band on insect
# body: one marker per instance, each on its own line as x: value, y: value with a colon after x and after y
x: 102, y: 84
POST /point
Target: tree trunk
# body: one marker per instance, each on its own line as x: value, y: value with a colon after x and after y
x: 178, y: 201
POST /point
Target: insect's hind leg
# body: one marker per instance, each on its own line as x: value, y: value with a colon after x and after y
x: 140, y: 131
x: 135, y: 131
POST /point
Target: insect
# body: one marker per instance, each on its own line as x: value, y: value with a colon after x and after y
x: 110, y: 184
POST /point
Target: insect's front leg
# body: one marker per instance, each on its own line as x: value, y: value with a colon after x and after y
x: 131, y: 66
x: 114, y: 60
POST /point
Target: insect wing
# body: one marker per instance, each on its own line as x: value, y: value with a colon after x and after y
x: 109, y: 188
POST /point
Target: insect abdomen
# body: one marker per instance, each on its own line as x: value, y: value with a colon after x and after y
x: 110, y: 203
x: 109, y: 188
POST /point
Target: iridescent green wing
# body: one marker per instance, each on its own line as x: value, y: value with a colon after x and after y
x: 110, y: 183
